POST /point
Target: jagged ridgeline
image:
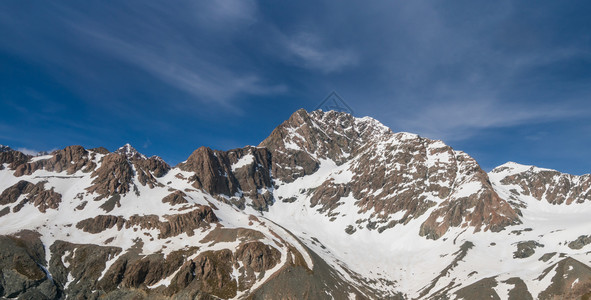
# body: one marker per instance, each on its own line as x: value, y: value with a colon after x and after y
x: 329, y: 206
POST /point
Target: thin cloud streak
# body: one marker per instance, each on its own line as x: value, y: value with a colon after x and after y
x: 461, y: 120
x: 206, y: 81
x: 308, y: 50
x: 28, y: 151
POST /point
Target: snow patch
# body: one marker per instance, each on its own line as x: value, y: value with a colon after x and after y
x: 246, y: 160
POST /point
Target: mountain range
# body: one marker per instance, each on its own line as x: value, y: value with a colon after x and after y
x: 328, y: 206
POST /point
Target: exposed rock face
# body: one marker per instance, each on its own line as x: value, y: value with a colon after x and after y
x: 22, y: 276
x: 546, y: 185
x: 150, y: 169
x: 100, y: 150
x: 70, y: 159
x: 329, y: 135
x: 236, y: 173
x: 580, y: 242
x: 258, y: 256
x: 130, y: 152
x: 147, y: 169
x: 116, y: 173
x: 187, y: 222
x: 174, y: 225
x: 388, y: 174
x: 297, y: 281
x: 570, y: 280
x: 101, y: 223
x: 81, y: 265
x: 210, y: 273
x: 255, y: 257
x: 12, y: 158
x: 208, y: 168
x: 356, y: 206
x: 526, y: 249
x: 35, y: 194
x: 133, y: 270
x: 175, y: 198
x: 114, y: 176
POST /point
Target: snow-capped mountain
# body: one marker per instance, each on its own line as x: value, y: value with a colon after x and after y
x: 329, y: 206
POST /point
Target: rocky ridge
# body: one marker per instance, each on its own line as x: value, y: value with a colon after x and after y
x: 328, y: 206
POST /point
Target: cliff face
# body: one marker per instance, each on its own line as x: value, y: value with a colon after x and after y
x: 237, y: 174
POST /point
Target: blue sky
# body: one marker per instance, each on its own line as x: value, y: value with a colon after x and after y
x: 500, y: 80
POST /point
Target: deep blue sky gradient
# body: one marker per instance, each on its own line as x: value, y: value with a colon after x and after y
x: 500, y: 80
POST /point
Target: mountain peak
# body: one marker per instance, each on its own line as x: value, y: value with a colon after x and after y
x: 130, y: 152
x: 323, y: 134
x: 397, y: 201
x: 5, y: 148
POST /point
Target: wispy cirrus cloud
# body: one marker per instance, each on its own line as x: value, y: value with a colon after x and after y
x: 206, y: 81
x: 178, y: 61
x: 461, y: 120
x: 310, y: 51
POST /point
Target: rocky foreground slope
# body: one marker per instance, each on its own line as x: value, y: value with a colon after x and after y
x: 327, y: 207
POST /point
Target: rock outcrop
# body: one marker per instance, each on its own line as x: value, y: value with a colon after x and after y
x: 175, y: 198
x: 22, y: 263
x: 174, y: 225
x: 70, y: 159
x: 114, y: 176
x: 329, y: 206
x: 35, y: 194
x: 12, y: 158
x: 239, y: 173
x: 388, y: 174
x: 146, y: 169
x: 544, y: 184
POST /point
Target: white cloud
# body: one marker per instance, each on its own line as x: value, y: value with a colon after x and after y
x: 230, y: 10
x: 459, y: 120
x: 182, y: 70
x: 28, y: 151
x: 309, y: 50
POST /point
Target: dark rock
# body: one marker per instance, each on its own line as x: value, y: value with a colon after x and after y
x: 553, y: 186
x: 70, y: 159
x: 13, y: 159
x: 175, y: 198
x: 21, y: 258
x: 210, y: 272
x: 482, y: 289
x: 258, y: 256
x: 110, y: 204
x: 519, y: 290
x: 36, y: 194
x: 214, y: 174
x: 114, y: 176
x: 200, y: 216
x: 571, y: 280
x: 526, y: 249
x: 85, y: 263
x: 100, y: 223
x: 148, y: 170
x: 580, y: 242
x: 100, y: 150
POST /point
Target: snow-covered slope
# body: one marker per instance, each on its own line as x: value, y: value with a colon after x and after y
x: 328, y: 206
